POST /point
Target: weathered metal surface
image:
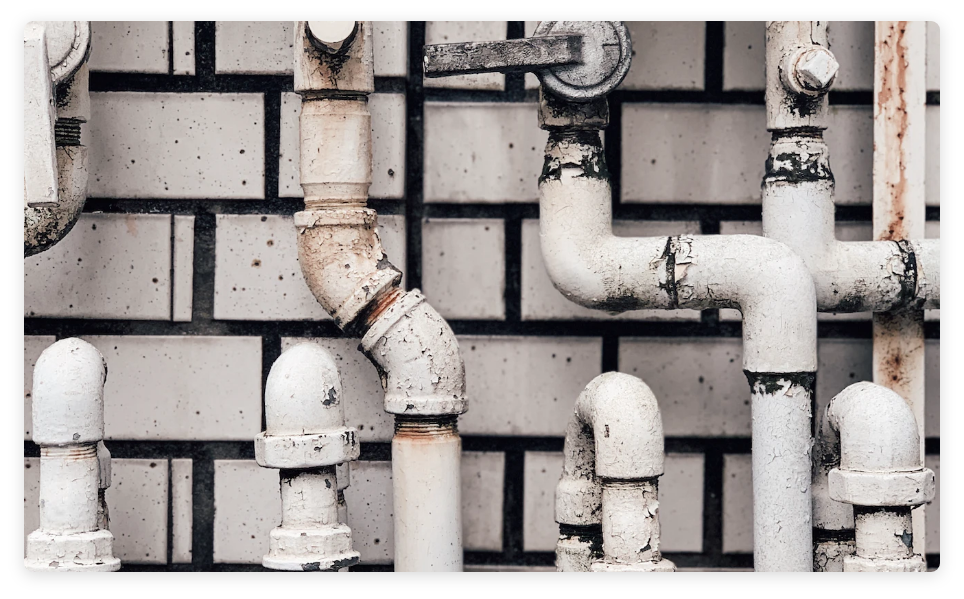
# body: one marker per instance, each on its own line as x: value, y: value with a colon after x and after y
x: 305, y: 437
x: 320, y: 72
x: 506, y: 56
x: 333, y: 37
x: 68, y: 420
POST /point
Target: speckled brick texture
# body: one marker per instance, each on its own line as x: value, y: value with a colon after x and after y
x: 183, y: 271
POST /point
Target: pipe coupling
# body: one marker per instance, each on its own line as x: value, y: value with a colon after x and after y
x: 882, y: 489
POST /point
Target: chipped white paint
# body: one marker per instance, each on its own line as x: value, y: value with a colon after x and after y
x: 348, y: 272
x: 306, y: 437
x: 881, y: 473
x: 68, y: 418
x: 613, y: 456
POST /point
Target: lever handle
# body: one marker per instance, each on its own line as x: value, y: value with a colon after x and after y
x: 578, y: 61
x: 39, y: 114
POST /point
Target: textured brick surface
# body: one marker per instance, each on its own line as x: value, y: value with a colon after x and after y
x: 182, y: 297
x: 525, y: 385
x: 129, y: 46
x: 33, y: 346
x: 165, y: 145
x: 542, y: 301
x: 737, y: 504
x: 181, y: 388
x: 182, y: 33
x: 496, y: 157
x: 666, y: 55
x: 247, y: 505
x: 680, y: 502
x: 450, y: 32
x: 699, y: 383
x: 388, y: 146
x: 257, y: 275
x: 182, y: 510
x: 109, y: 266
x: 463, y: 267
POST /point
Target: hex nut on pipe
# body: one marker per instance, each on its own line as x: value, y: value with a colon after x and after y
x: 306, y: 438
x: 68, y: 416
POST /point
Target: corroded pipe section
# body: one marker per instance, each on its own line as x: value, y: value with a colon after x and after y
x: 606, y: 501
x: 763, y: 278
x: 880, y: 473
x: 68, y: 416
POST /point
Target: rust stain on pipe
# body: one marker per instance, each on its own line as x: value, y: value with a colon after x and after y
x: 892, y: 104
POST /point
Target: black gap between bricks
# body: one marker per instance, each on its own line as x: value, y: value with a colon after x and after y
x: 413, y: 207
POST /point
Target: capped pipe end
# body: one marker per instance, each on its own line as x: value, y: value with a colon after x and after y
x: 303, y: 393
x: 322, y: 549
x: 68, y: 394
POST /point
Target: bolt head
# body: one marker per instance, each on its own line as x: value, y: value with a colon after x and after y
x: 816, y: 69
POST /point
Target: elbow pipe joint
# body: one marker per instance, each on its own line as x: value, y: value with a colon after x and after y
x: 44, y: 227
x: 306, y: 438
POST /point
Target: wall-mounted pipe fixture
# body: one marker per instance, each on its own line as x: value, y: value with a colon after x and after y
x: 68, y: 420
x: 306, y: 438
x: 880, y: 473
x: 343, y: 262
x: 607, y: 498
x: 763, y: 278
x: 56, y: 104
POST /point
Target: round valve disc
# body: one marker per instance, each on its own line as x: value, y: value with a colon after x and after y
x: 68, y: 45
x: 606, y: 55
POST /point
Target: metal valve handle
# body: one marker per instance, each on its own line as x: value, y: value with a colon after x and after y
x: 578, y: 61
x: 52, y: 52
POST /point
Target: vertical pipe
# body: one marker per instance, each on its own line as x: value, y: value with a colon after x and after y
x: 899, y: 98
x: 427, y: 494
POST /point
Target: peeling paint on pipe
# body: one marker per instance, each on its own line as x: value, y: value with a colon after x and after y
x: 881, y: 474
x: 68, y: 417
x: 347, y: 270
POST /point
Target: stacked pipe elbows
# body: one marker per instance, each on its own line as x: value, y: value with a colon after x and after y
x: 881, y: 474
x: 68, y: 420
x: 306, y: 438
x: 607, y: 499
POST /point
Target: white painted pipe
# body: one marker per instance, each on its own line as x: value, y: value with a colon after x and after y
x: 881, y: 473
x: 306, y: 438
x: 348, y: 271
x: 833, y: 521
x: 763, y: 278
x: 68, y: 417
x: 427, y: 494
x: 606, y: 500
x: 899, y: 211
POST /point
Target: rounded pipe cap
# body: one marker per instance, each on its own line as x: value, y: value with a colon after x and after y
x: 68, y: 394
x: 303, y: 393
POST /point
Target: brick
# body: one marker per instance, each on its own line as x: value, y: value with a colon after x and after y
x: 482, y: 477
x: 247, y: 505
x: 181, y: 388
x: 542, y: 301
x: 182, y: 510
x: 525, y: 385
x: 680, y: 502
x: 183, y: 47
x: 362, y: 393
x: 31, y: 498
x: 666, y: 55
x: 933, y: 59
x: 449, y: 32
x: 137, y: 501
x: 257, y: 275
x: 370, y: 511
x: 266, y: 47
x: 129, y: 46
x: 176, y: 146
x: 852, y: 44
x: 699, y: 383
x: 932, y: 156
x: 744, y: 55
x: 109, y: 266
x: 737, y: 504
x: 463, y: 267
x: 182, y: 298
x: 33, y: 346
x: 482, y: 152
x: 388, y: 146
x: 932, y: 536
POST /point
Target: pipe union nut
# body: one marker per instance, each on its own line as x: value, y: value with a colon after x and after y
x: 882, y: 489
x: 663, y: 565
x: 809, y: 70
x: 306, y: 451
x: 310, y: 550
x: 84, y: 551
x: 578, y: 502
x: 855, y: 563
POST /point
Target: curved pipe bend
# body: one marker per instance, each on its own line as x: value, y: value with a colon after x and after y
x: 45, y: 227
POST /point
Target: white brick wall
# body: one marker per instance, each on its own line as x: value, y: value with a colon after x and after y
x: 463, y: 267
x: 129, y: 46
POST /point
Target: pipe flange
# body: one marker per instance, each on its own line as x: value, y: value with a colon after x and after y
x: 882, y: 489
x: 310, y: 550
x: 83, y: 551
x: 856, y: 563
x: 607, y: 52
x: 663, y: 565
x: 313, y: 450
x: 578, y: 502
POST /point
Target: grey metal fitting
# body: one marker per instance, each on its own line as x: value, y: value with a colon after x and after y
x: 809, y: 70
